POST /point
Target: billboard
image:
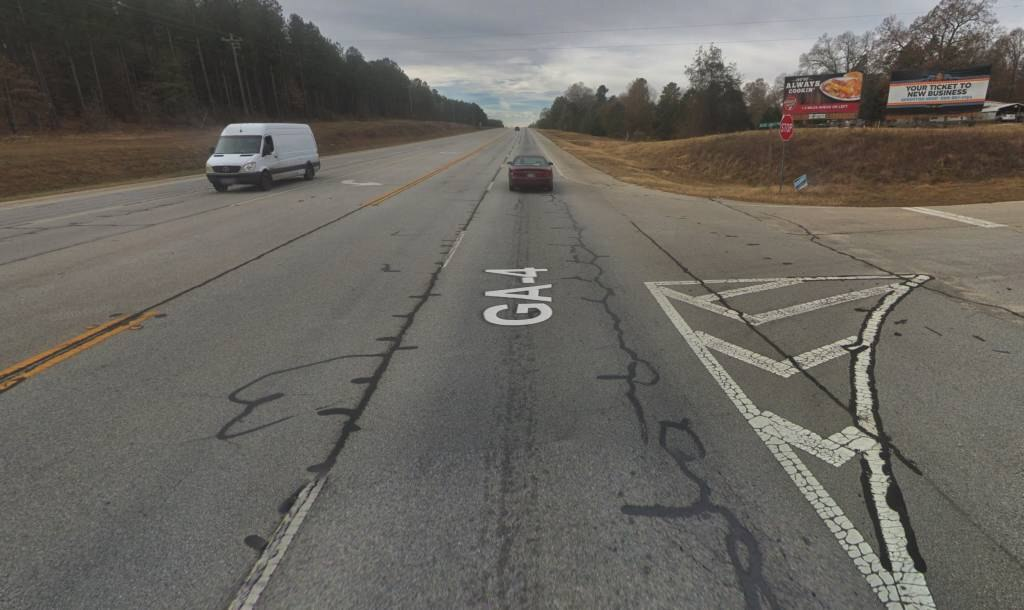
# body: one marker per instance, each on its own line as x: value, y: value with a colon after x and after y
x: 823, y: 96
x: 938, y: 91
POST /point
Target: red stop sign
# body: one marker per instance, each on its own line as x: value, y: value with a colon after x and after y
x: 786, y: 127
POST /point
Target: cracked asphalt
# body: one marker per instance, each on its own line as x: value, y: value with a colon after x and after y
x: 732, y: 405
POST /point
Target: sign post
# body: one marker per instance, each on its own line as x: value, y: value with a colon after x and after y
x: 786, y: 133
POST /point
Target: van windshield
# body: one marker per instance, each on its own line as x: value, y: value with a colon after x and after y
x: 238, y: 145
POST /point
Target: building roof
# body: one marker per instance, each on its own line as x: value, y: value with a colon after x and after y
x: 993, y: 106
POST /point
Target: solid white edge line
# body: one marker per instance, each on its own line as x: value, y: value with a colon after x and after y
x: 547, y: 153
x: 455, y: 246
x: 910, y: 587
x: 984, y: 224
x: 258, y: 578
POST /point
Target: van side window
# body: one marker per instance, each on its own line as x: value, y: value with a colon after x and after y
x: 268, y: 145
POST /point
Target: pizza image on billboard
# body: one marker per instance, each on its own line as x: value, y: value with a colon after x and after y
x: 960, y: 91
x: 823, y: 96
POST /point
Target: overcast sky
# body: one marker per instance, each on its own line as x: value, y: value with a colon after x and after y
x: 514, y: 57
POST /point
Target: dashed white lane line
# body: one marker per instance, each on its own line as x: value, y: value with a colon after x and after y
x: 259, y: 576
x: 957, y: 218
x: 455, y: 246
x: 490, y: 186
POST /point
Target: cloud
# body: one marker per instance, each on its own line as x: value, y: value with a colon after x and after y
x: 514, y: 58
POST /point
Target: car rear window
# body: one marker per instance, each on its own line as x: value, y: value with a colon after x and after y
x: 537, y: 161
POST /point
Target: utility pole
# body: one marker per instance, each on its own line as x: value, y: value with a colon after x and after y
x: 43, y: 87
x: 170, y: 43
x: 128, y: 79
x: 206, y: 77
x: 96, y: 75
x: 235, y: 42
x: 74, y: 76
x: 277, y: 98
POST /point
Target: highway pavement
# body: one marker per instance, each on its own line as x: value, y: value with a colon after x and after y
x: 402, y: 385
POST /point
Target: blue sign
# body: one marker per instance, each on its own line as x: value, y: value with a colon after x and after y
x: 800, y: 183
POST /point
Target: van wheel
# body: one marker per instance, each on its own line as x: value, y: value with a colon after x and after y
x: 266, y: 181
x: 220, y: 187
x: 310, y: 172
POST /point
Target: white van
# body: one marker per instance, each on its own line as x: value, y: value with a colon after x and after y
x: 259, y: 153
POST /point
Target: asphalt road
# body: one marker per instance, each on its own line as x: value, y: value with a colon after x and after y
x: 307, y: 399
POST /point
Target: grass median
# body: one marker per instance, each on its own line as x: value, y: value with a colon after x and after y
x: 41, y: 164
x: 845, y: 167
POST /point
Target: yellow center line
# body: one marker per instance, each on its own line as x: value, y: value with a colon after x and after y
x: 30, y: 367
x: 425, y: 177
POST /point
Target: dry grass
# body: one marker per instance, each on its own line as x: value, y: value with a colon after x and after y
x: 847, y: 167
x: 38, y: 164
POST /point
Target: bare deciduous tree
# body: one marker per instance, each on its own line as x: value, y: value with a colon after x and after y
x: 842, y: 53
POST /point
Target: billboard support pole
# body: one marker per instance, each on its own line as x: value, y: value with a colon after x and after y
x: 782, y: 171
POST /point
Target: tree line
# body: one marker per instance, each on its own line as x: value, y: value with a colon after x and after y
x: 713, y: 103
x: 88, y: 62
x: 954, y: 34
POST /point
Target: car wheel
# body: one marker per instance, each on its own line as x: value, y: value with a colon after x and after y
x: 266, y: 181
x: 220, y: 187
x: 310, y: 172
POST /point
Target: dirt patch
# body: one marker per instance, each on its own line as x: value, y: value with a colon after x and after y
x: 845, y: 167
x: 39, y: 164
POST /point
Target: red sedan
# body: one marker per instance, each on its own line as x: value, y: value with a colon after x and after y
x: 531, y: 171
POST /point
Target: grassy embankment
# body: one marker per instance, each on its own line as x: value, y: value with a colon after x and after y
x: 48, y: 163
x: 846, y: 167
